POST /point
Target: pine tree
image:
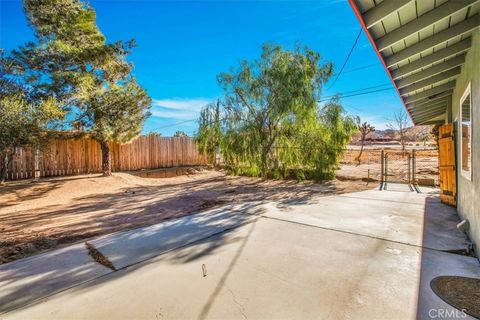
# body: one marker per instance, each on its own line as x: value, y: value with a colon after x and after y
x: 73, y: 62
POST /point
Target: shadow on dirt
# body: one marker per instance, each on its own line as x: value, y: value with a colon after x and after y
x: 126, y: 209
x: 138, y: 206
x: 195, y: 236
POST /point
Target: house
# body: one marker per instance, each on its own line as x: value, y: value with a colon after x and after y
x: 431, y: 52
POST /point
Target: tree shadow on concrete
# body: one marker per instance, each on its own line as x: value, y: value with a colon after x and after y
x: 140, y: 206
x: 221, y: 283
x: 26, y: 281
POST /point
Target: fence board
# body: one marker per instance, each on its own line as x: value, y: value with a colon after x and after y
x: 83, y: 155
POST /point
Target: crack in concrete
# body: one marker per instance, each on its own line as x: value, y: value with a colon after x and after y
x: 241, y: 308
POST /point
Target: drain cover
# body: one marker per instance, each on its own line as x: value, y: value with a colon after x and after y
x: 460, y: 292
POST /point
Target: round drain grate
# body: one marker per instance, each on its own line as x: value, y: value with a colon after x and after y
x: 460, y: 292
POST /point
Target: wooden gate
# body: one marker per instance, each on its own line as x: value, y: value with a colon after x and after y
x: 446, y: 163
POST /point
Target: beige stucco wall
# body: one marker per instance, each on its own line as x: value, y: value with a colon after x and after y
x: 468, y: 192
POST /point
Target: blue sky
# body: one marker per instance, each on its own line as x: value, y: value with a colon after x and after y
x: 183, y: 45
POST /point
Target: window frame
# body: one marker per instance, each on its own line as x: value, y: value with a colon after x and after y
x: 466, y: 174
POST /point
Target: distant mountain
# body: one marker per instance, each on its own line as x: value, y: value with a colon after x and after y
x: 413, y: 134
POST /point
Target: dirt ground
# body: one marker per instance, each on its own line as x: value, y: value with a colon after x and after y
x: 36, y: 216
x: 426, y: 165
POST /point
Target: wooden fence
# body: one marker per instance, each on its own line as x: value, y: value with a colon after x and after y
x: 83, y: 155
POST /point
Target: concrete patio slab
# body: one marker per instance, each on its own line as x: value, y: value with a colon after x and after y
x: 400, y: 187
x: 434, y: 264
x: 364, y: 255
x: 264, y: 270
x: 407, y: 217
x: 26, y: 280
x: 130, y: 247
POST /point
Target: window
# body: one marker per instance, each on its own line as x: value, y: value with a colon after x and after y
x: 466, y: 133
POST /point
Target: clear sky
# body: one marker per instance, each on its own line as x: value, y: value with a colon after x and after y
x: 183, y: 45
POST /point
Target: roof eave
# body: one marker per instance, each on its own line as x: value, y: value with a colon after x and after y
x: 372, y: 42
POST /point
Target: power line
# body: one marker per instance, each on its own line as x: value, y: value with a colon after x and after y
x: 358, y: 94
x: 348, y: 57
x: 346, y: 94
x: 357, y: 90
x: 354, y: 108
x: 181, y: 122
x: 176, y: 123
x: 363, y: 67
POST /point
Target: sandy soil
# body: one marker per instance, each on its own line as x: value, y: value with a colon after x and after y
x: 398, y: 165
x: 36, y: 216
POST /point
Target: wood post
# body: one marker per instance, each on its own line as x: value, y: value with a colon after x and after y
x: 36, y: 160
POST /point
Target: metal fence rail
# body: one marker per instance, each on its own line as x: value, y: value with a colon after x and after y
x: 366, y: 167
x: 412, y: 167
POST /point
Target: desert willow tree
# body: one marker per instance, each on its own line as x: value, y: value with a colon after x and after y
x: 73, y: 63
x: 209, y: 133
x: 270, y: 123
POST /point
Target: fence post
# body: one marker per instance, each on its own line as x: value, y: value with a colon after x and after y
x: 36, y: 173
x: 409, y: 168
x: 385, y: 172
x: 382, y: 173
x: 414, y: 165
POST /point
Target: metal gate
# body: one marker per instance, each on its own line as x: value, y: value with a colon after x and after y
x: 398, y: 167
x: 412, y: 167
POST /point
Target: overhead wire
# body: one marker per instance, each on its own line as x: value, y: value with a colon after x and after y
x: 348, y: 58
x: 176, y: 123
x: 346, y: 94
x: 357, y: 94
x: 362, y: 67
x: 357, y: 90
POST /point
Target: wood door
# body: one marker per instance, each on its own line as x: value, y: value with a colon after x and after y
x: 446, y: 162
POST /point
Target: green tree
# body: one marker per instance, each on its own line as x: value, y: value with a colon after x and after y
x: 73, y: 63
x: 268, y: 98
x: 321, y: 145
x: 114, y: 113
x: 209, y: 135
x: 154, y: 134
x: 180, y: 134
x: 24, y: 120
x: 272, y: 123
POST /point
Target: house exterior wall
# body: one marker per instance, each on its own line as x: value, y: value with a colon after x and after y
x: 468, y: 191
